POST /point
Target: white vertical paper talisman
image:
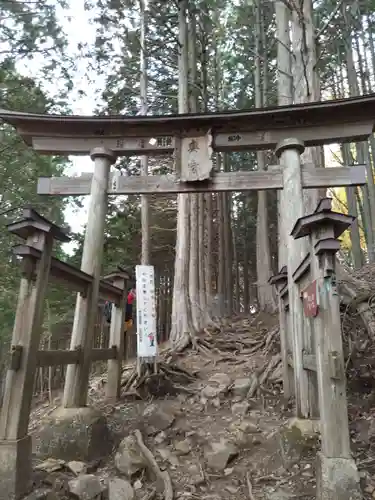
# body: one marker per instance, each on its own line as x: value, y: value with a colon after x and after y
x: 146, y: 312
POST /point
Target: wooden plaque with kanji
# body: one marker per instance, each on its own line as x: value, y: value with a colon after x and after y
x: 196, y: 158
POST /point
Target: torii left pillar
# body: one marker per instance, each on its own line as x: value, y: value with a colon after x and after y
x: 77, y: 376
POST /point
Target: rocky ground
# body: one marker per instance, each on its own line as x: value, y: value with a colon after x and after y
x: 224, y: 435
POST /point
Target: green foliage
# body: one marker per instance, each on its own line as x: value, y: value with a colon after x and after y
x: 20, y: 168
x: 29, y: 27
x: 29, y: 31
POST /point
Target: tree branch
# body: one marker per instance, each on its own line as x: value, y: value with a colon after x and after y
x: 330, y: 17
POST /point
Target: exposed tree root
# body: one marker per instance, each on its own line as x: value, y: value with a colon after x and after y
x: 184, y: 343
x: 169, y: 379
x: 233, y: 342
x: 229, y: 345
x: 263, y: 374
x: 162, y: 475
x: 249, y: 487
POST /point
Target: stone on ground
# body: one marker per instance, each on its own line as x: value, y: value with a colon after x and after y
x: 73, y: 434
x: 243, y: 432
x: 308, y: 427
x: 244, y: 425
x: 129, y: 459
x: 138, y: 485
x: 195, y: 474
x: 217, y: 386
x: 160, y: 438
x: 219, y: 453
x: 183, y: 447
x: 156, y: 420
x: 297, y: 439
x: 86, y: 487
x: 168, y: 456
x: 38, y: 494
x: 77, y: 467
x: 248, y: 427
x: 210, y: 392
x: 240, y: 409
x: 241, y: 387
x: 50, y: 465
x: 337, y: 479
x: 278, y: 494
x: 221, y: 382
x: 119, y: 489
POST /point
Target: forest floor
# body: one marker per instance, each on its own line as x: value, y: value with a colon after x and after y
x: 227, y: 434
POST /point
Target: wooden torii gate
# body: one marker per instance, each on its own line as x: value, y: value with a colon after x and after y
x: 192, y: 138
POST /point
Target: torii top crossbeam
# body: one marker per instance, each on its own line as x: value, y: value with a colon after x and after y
x: 314, y: 123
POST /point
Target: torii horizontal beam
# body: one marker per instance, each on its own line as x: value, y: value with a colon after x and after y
x: 224, y: 181
x: 128, y: 146
x: 315, y: 123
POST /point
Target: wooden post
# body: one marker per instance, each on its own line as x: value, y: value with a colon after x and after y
x: 76, y: 384
x: 337, y: 474
x: 15, y: 443
x: 289, y: 152
x: 330, y: 365
x: 117, y: 339
x: 323, y: 233
x: 279, y: 281
x: 289, y: 343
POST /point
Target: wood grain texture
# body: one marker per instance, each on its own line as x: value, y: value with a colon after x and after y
x: 311, y: 136
x: 334, y: 426
x: 196, y: 158
x: 224, y: 181
x: 342, y: 112
x: 292, y: 203
x: 58, y: 357
x: 117, y: 341
x: 238, y: 141
x: 77, y: 376
x: 19, y: 383
x: 76, y: 279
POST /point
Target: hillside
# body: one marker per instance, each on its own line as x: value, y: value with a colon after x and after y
x: 226, y: 435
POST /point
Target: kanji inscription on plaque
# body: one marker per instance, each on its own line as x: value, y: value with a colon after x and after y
x: 196, y: 161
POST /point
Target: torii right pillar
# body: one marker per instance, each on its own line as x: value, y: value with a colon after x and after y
x: 289, y: 152
x: 337, y: 475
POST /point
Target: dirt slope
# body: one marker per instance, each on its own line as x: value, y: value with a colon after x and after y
x: 221, y: 437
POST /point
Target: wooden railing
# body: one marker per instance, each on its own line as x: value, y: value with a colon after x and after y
x: 49, y: 379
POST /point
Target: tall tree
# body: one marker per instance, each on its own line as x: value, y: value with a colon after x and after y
x: 194, y: 250
x: 284, y: 94
x: 305, y: 78
x: 182, y: 326
x: 266, y: 299
x: 145, y: 257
